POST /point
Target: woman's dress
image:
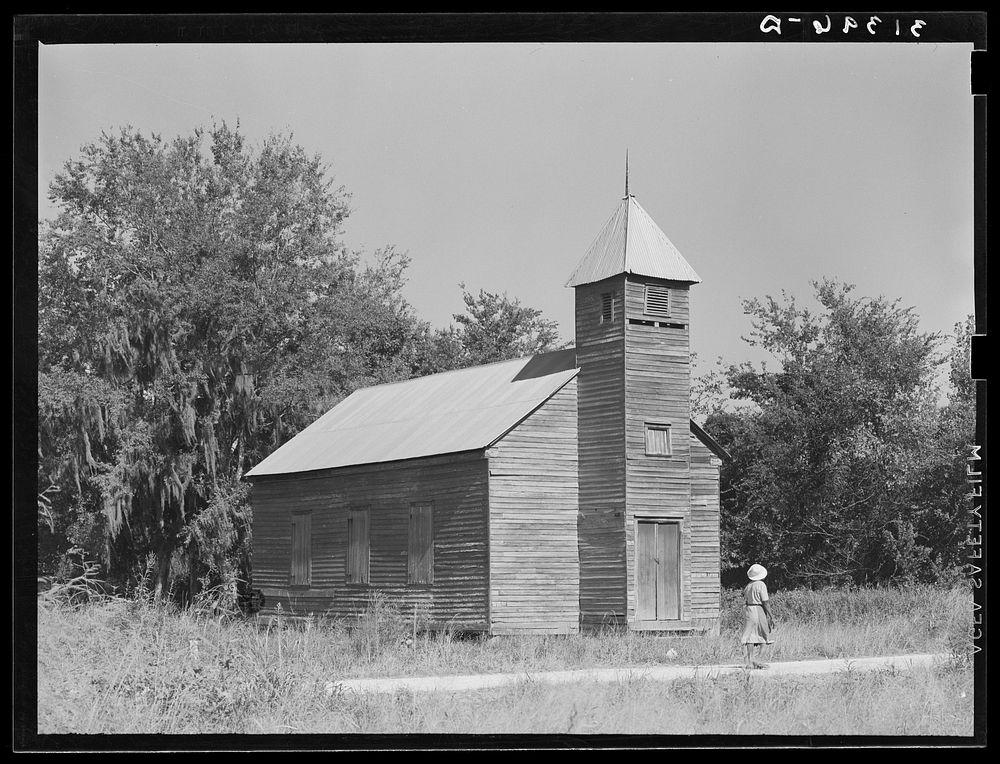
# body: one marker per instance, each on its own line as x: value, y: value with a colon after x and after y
x: 756, y: 631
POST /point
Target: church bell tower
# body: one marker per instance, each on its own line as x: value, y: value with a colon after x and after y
x: 635, y: 501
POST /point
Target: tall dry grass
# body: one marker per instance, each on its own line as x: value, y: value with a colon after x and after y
x: 116, y: 665
x: 838, y: 623
x: 918, y: 702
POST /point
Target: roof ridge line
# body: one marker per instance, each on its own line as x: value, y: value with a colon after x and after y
x: 452, y: 371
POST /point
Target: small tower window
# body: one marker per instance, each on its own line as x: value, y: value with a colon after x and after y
x: 657, y: 301
x: 610, y: 307
x: 658, y: 441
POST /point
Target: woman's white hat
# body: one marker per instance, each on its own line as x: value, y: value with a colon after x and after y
x: 756, y: 572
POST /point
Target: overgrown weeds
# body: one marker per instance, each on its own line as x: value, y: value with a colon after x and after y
x: 379, y: 628
x: 916, y: 702
x: 111, y: 664
x: 84, y: 587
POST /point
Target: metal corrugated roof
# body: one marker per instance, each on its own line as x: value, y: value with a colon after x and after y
x: 460, y: 410
x: 631, y: 242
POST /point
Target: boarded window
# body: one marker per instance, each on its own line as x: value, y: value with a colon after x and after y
x: 420, y: 557
x: 610, y: 307
x: 357, y: 545
x: 301, y: 569
x: 657, y: 301
x: 658, y: 441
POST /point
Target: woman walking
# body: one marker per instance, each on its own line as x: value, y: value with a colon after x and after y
x: 760, y: 622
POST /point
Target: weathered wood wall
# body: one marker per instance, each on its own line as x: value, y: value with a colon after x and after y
x: 600, y: 354
x: 534, y: 562
x: 457, y: 487
x: 706, y: 551
x: 658, y: 391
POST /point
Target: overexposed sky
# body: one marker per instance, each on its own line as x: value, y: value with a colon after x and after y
x: 767, y: 165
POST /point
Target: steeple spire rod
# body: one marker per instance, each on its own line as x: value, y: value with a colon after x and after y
x: 626, y: 173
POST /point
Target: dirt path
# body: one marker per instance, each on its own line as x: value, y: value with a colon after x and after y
x: 460, y: 683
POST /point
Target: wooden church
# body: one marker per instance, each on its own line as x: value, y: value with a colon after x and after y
x: 566, y: 491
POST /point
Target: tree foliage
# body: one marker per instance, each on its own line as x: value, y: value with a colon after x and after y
x: 196, y: 309
x: 494, y: 327
x: 845, y: 467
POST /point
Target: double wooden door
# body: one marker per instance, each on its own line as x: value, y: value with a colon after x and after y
x: 658, y: 570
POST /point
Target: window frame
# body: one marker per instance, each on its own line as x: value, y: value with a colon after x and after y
x: 358, y: 576
x: 301, y: 547
x: 420, y: 561
x: 666, y: 427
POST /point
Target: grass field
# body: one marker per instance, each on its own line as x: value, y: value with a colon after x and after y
x: 128, y: 666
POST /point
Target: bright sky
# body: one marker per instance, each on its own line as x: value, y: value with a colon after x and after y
x: 767, y: 165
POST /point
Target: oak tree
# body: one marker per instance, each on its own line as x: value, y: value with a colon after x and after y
x: 836, y: 451
x: 196, y: 309
x: 494, y: 327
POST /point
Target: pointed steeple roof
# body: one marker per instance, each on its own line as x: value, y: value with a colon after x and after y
x: 631, y: 242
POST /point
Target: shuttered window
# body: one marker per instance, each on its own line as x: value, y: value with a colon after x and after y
x: 657, y: 301
x: 357, y: 545
x: 610, y: 307
x: 420, y: 556
x: 301, y: 568
x: 658, y: 440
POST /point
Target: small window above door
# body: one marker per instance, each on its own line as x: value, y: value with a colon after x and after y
x: 658, y: 441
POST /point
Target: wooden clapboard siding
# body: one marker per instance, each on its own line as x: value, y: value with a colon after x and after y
x: 590, y: 330
x: 457, y: 486
x: 657, y: 391
x: 534, y: 561
x: 705, y: 547
x: 600, y: 354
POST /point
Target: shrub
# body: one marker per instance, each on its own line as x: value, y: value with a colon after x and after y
x: 379, y: 628
x: 80, y: 587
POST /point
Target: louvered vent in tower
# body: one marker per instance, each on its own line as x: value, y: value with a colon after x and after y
x: 657, y: 301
